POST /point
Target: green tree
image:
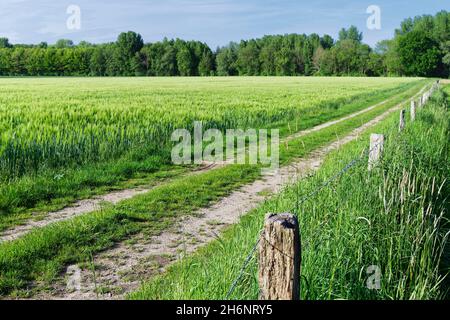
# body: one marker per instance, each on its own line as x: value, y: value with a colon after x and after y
x: 419, y: 54
x: 18, y: 61
x: 97, y: 64
x: 141, y: 63
x: 285, y: 65
x: 128, y: 44
x: 351, y: 33
x: 5, y: 61
x: 64, y: 43
x: 248, y: 59
x: 445, y: 47
x: 326, y: 42
x: 436, y: 28
x: 327, y: 62
x: 34, y: 63
x: 268, y: 58
x: 226, y: 60
x: 168, y: 63
x: 206, y: 65
x: 317, y: 59
x: 308, y: 55
x: 376, y: 66
x: 185, y: 61
x: 4, y: 43
x: 84, y: 44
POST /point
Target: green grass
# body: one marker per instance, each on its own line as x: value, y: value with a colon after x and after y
x: 53, y: 189
x: 31, y: 196
x: 41, y: 255
x: 63, y: 141
x: 300, y: 147
x: 394, y: 217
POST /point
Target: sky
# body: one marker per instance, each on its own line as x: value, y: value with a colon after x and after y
x: 216, y: 22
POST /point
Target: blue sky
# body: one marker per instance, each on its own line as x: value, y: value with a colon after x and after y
x: 215, y: 22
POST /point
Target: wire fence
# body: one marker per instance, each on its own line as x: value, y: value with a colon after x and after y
x: 350, y: 165
x: 310, y: 196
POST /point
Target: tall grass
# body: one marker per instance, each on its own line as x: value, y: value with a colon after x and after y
x: 395, y: 218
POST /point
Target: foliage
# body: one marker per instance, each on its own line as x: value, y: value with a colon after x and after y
x: 420, y: 47
x: 277, y: 55
x: 419, y: 54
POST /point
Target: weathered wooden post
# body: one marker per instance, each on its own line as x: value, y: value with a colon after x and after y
x: 376, y: 150
x: 413, y: 111
x: 402, y: 120
x: 280, y: 258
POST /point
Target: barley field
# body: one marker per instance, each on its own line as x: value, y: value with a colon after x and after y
x: 66, y: 138
x: 49, y: 123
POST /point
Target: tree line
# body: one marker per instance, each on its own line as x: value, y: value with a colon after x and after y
x: 420, y: 47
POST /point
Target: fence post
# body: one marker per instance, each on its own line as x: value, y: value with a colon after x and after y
x: 413, y: 111
x: 402, y: 120
x: 280, y: 258
x: 376, y: 150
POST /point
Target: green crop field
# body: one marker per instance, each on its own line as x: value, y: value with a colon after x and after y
x: 136, y: 164
x: 49, y: 123
x: 64, y: 138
